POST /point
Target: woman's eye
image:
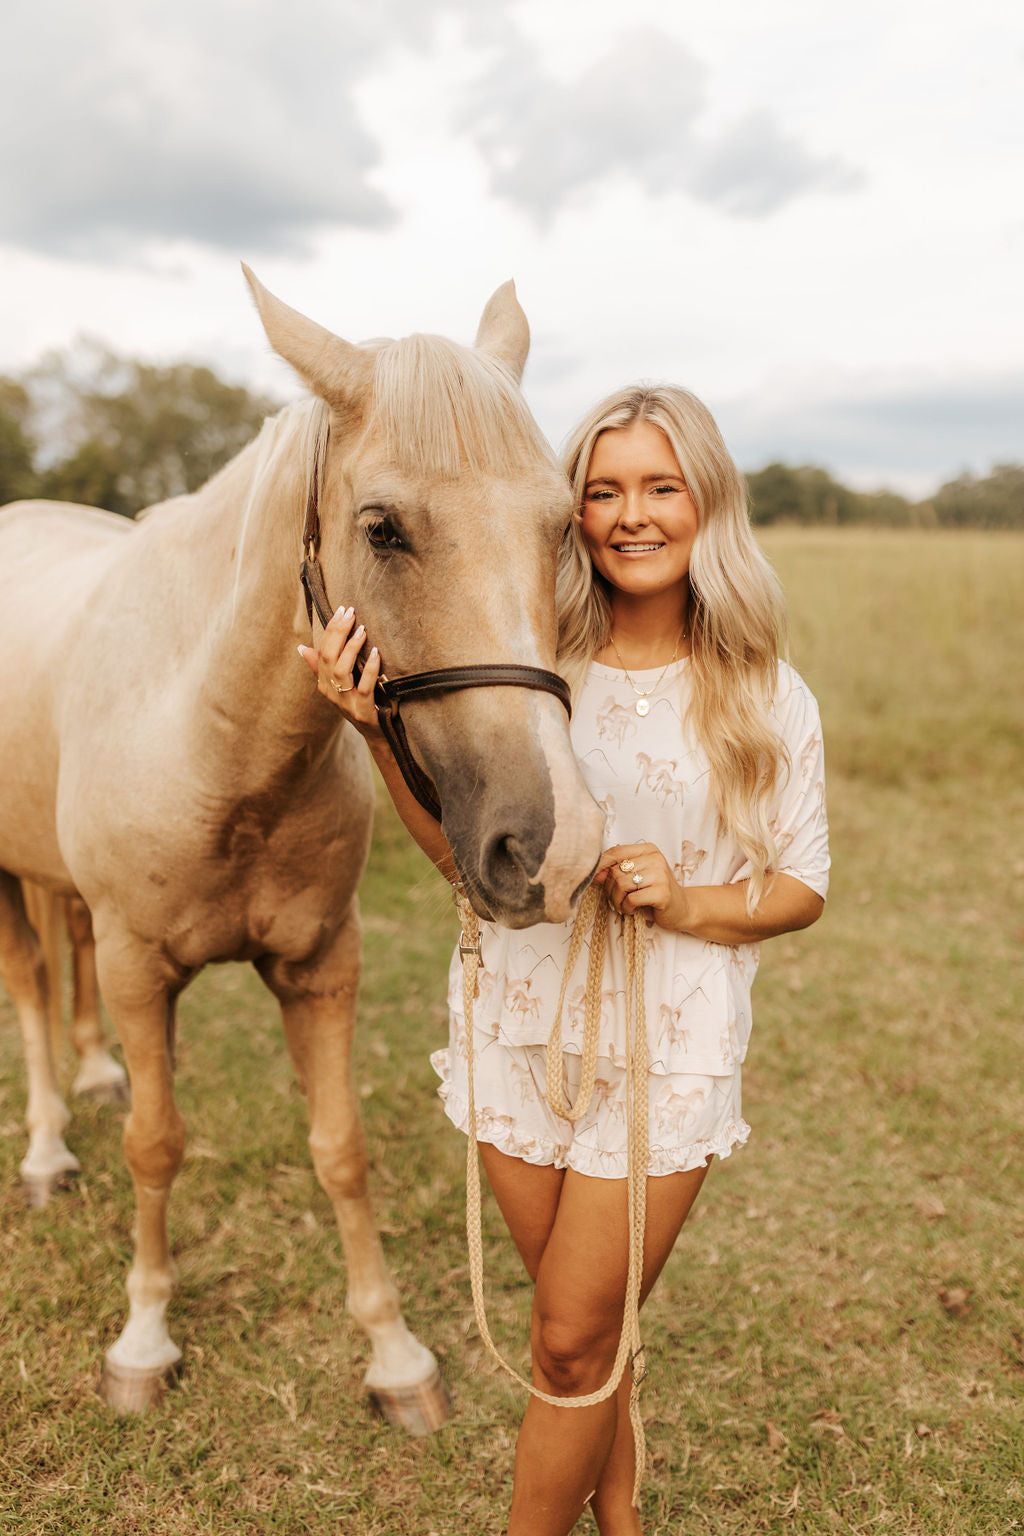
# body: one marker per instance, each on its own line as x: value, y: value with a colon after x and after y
x: 383, y: 535
x: 600, y: 495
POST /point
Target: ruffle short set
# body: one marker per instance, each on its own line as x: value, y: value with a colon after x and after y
x: 651, y: 780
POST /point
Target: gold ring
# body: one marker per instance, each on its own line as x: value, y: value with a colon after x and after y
x: 339, y: 689
x: 627, y: 866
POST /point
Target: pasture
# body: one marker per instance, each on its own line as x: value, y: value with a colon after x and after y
x: 837, y: 1344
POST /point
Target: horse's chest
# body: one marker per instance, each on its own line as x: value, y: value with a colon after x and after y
x: 276, y: 887
x: 253, y: 918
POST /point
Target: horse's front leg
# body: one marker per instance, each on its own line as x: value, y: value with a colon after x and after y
x: 99, y: 1075
x: 318, y: 1003
x: 48, y: 1162
x: 141, y: 1001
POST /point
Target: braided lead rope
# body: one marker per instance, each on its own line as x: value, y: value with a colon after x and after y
x: 592, y: 912
x: 637, y: 1083
x: 630, y: 1347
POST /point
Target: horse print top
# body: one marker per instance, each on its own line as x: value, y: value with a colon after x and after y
x: 651, y: 779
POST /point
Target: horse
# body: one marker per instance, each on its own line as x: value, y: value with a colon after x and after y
x: 99, y: 1076
x: 167, y: 758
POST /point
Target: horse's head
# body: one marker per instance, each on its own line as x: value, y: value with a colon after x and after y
x: 441, y: 507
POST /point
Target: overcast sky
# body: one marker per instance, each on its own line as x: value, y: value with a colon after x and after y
x: 810, y: 213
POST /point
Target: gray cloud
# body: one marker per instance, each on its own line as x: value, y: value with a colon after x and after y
x: 636, y: 111
x: 755, y: 167
x: 229, y: 124
x: 915, y: 438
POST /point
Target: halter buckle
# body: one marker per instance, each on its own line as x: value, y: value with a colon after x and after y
x: 469, y: 947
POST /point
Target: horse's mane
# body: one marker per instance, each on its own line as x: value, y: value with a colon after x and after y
x: 309, y: 420
x: 445, y: 408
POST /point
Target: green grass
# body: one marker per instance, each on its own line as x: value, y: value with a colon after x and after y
x: 838, y: 1342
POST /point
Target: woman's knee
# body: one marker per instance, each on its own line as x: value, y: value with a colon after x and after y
x: 575, y: 1353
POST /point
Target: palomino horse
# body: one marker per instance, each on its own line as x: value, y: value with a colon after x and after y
x: 165, y: 753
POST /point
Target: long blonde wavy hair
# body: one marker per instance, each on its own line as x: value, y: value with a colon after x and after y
x: 736, y: 611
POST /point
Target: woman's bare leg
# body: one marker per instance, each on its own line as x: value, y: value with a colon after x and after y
x: 527, y: 1196
x: 612, y: 1500
x: 564, y: 1455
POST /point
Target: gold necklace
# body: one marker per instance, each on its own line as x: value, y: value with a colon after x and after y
x: 643, y: 703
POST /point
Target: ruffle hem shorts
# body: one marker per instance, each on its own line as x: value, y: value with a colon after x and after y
x: 691, y: 1117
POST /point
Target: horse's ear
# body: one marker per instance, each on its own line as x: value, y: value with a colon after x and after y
x: 332, y: 368
x: 504, y: 331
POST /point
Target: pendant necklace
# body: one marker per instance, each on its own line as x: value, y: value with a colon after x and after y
x: 643, y: 702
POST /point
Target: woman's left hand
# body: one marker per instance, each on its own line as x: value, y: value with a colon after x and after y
x: 636, y: 875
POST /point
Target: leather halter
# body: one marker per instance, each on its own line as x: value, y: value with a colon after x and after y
x: 389, y: 693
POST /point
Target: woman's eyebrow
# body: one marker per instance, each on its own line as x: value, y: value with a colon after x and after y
x: 668, y: 474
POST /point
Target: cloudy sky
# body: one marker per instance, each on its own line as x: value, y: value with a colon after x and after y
x: 810, y: 213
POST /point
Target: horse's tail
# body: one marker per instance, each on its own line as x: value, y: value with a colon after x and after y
x: 44, y: 910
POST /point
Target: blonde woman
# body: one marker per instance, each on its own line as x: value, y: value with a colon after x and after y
x: 704, y: 751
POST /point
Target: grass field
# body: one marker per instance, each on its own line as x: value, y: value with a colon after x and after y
x: 838, y: 1342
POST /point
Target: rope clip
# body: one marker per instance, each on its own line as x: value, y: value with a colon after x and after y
x: 638, y: 1366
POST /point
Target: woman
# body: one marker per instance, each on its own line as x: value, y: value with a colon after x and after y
x: 705, y: 753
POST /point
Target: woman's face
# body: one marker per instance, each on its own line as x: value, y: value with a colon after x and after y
x: 638, y: 520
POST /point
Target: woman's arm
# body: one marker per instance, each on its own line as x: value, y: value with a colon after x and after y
x: 716, y: 913
x: 333, y: 665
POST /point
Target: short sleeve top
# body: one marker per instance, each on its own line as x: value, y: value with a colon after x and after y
x: 652, y: 780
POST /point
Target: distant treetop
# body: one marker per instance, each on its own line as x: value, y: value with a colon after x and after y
x: 88, y: 426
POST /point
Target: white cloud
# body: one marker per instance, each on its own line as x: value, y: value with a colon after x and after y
x: 636, y: 111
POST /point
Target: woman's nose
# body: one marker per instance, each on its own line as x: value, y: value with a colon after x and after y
x: 634, y: 512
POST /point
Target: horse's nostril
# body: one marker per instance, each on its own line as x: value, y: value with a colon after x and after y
x: 506, y: 876
x: 503, y: 860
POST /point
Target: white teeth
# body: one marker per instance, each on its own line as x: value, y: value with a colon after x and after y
x: 621, y: 547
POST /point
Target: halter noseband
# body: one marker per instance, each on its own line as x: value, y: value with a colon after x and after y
x: 389, y: 693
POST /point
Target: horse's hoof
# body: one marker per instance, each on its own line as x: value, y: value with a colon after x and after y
x: 419, y: 1409
x: 116, y: 1093
x: 38, y: 1187
x: 129, y: 1391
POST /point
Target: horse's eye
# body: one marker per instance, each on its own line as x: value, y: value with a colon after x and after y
x: 383, y: 535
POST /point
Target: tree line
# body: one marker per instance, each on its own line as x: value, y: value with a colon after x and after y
x: 86, y: 425
x: 783, y: 493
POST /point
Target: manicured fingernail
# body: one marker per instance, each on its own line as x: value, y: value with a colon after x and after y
x: 374, y: 653
x: 343, y: 612
x: 359, y: 630
x: 302, y: 651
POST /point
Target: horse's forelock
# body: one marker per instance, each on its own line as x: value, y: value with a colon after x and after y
x: 445, y: 408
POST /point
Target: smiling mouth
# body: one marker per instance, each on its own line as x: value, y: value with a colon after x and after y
x: 637, y: 549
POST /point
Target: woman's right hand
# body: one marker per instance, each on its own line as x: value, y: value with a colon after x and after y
x: 333, y: 667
